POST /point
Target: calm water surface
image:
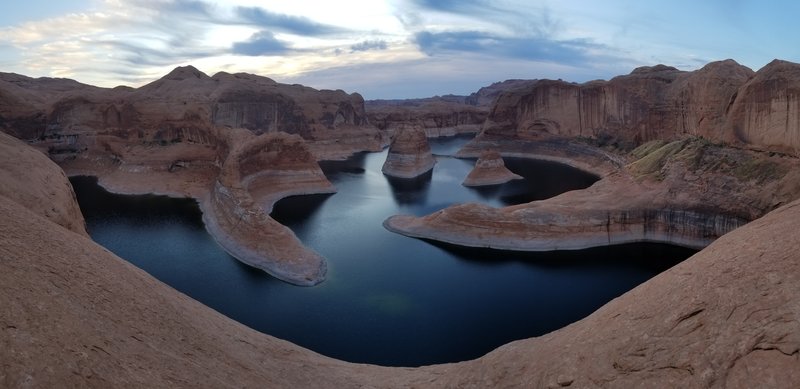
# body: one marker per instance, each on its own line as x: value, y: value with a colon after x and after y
x: 388, y: 299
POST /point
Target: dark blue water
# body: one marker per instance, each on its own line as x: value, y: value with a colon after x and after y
x: 388, y: 299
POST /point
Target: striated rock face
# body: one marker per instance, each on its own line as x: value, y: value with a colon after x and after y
x: 657, y: 102
x: 437, y: 116
x: 490, y: 170
x: 257, y: 173
x: 688, y: 192
x: 70, y: 116
x: 766, y: 111
x: 409, y: 155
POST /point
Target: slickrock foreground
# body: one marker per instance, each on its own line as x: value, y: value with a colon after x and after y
x: 490, y: 170
x: 75, y: 315
x: 409, y: 154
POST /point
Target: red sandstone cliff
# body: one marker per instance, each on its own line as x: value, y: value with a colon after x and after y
x: 658, y: 102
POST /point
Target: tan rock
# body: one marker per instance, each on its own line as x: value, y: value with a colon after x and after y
x: 658, y: 102
x: 409, y: 154
x: 75, y: 315
x: 258, y: 172
x: 437, y: 116
x: 30, y: 179
x: 490, y: 170
x: 688, y: 192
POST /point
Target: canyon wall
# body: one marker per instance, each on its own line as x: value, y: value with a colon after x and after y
x: 235, y: 142
x: 437, y: 116
x: 67, y: 117
x: 723, y: 101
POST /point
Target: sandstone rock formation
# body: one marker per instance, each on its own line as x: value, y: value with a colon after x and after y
x: 438, y: 116
x: 488, y: 94
x: 71, y: 115
x: 658, y: 102
x: 237, y: 210
x: 766, y: 110
x: 686, y: 196
x: 188, y: 134
x: 490, y: 170
x: 409, y: 155
x: 73, y: 314
x: 34, y: 182
x: 687, y: 192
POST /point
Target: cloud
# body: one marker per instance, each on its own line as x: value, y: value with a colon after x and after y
x: 461, y: 74
x: 530, y: 48
x: 293, y: 24
x: 367, y: 45
x: 261, y: 43
x: 453, y: 6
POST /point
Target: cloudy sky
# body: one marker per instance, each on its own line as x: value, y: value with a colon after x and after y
x: 387, y: 48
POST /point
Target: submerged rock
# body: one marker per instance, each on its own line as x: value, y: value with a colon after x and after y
x: 409, y: 155
x: 490, y: 170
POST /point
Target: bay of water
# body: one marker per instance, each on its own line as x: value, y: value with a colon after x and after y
x: 388, y: 299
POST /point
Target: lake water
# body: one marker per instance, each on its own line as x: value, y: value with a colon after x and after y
x: 388, y: 299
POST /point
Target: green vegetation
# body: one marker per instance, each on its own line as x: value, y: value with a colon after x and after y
x: 700, y: 155
x: 759, y: 170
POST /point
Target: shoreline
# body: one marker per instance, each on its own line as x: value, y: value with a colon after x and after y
x: 404, y: 225
x: 231, y: 245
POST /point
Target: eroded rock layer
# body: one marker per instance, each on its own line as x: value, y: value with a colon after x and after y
x: 437, y: 116
x: 188, y: 134
x: 723, y: 101
x: 687, y: 192
x: 409, y: 154
x: 75, y: 315
x: 490, y: 170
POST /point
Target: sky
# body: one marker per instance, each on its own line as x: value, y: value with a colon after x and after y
x: 388, y: 48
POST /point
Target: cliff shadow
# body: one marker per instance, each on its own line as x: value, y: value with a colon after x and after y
x: 296, y: 212
x: 355, y: 164
x: 655, y: 257
x: 410, y: 191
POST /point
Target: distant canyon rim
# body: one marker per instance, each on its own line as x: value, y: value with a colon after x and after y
x: 701, y: 158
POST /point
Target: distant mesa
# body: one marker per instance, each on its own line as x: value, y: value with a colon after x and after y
x: 409, y: 154
x: 490, y: 170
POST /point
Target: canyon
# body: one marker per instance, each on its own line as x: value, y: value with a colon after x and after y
x: 670, y: 147
x: 704, y: 159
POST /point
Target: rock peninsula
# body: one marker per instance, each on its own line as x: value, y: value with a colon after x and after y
x: 685, y: 186
x: 234, y: 142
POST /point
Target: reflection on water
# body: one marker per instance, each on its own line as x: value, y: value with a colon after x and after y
x: 388, y: 299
